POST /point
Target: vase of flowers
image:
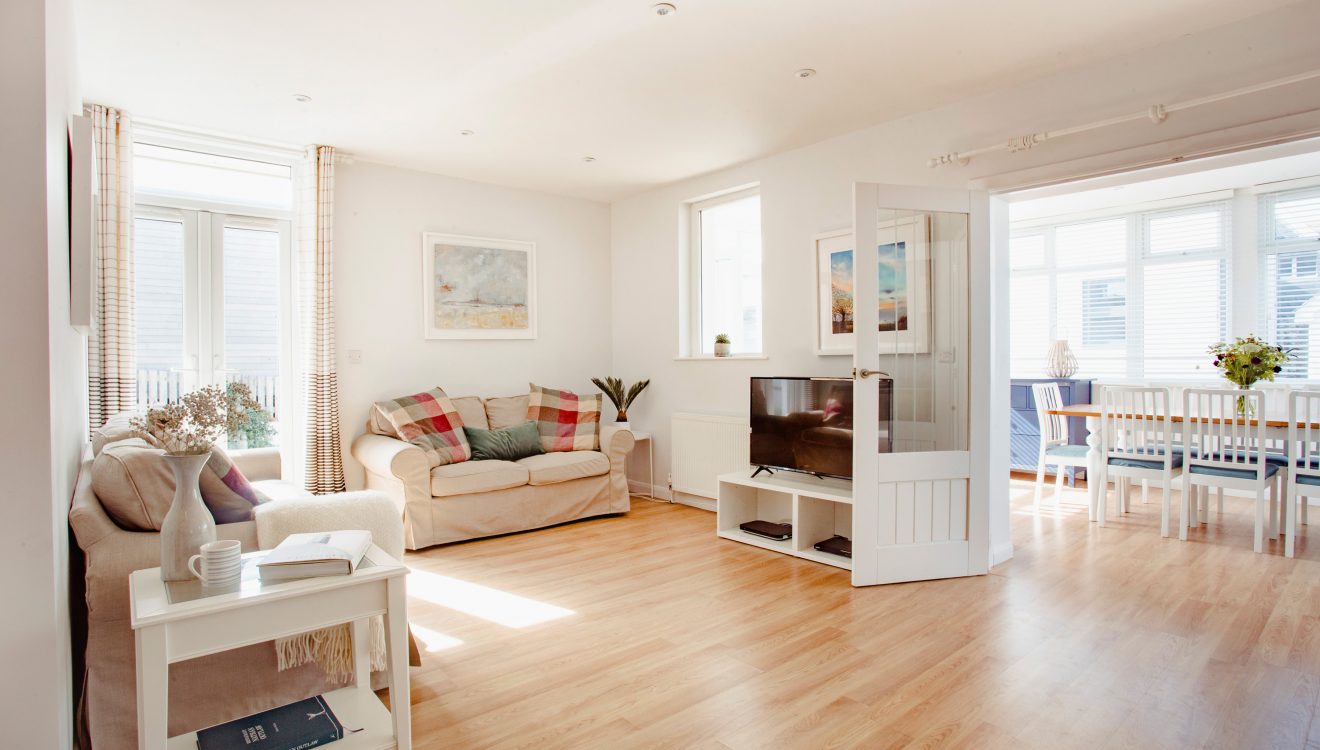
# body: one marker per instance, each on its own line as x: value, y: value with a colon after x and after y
x: 186, y: 430
x: 620, y: 396
x: 1247, y: 361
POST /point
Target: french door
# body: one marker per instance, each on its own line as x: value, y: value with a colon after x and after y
x: 211, y: 303
x: 922, y: 359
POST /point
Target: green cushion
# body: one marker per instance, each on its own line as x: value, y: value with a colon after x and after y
x: 508, y: 444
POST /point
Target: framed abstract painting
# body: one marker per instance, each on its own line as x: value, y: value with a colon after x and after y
x: 904, y: 288
x: 478, y: 288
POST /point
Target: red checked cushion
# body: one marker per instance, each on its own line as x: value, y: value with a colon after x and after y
x: 565, y: 420
x: 431, y: 422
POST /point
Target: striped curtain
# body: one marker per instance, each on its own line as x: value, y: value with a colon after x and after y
x: 323, y: 467
x: 111, y: 371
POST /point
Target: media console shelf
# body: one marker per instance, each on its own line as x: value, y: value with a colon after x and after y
x: 817, y: 508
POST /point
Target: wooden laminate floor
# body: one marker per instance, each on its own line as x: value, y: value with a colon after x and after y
x: 646, y: 631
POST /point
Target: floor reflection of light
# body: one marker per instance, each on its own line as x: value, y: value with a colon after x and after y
x: 482, y: 601
x: 434, y: 641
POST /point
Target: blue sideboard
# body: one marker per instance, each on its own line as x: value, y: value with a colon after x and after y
x: 1024, y: 438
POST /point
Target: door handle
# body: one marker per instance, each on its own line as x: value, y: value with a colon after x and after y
x: 865, y: 373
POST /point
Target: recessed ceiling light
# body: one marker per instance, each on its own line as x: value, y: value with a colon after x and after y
x: 588, y: 159
x: 466, y: 132
x: 805, y: 73
x: 664, y: 9
x: 301, y: 98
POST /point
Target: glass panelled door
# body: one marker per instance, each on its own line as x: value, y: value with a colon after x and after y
x: 919, y: 486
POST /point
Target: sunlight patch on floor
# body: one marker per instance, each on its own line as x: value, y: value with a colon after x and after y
x: 434, y: 641
x: 487, y: 603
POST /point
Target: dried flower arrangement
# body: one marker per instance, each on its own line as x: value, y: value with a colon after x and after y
x: 193, y: 424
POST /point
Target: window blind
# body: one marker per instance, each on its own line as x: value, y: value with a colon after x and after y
x: 1137, y: 296
x: 1290, y: 255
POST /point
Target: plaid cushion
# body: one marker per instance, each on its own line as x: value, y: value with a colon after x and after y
x: 231, y: 499
x: 431, y: 422
x: 566, y: 421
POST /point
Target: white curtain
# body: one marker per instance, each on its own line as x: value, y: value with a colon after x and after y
x: 323, y: 467
x: 111, y: 367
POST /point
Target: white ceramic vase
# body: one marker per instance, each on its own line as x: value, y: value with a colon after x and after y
x: 722, y: 350
x: 188, y: 524
x: 1060, y: 363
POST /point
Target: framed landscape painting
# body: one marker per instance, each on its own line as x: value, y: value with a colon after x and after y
x: 478, y: 288
x: 904, y: 288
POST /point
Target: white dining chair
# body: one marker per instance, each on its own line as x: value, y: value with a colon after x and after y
x: 1137, y: 443
x: 1225, y: 451
x: 1054, y: 446
x: 1303, y: 461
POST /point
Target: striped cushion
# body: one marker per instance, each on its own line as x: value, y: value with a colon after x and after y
x: 431, y: 422
x: 565, y: 420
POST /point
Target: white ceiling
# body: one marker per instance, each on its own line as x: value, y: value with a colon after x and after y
x: 546, y: 83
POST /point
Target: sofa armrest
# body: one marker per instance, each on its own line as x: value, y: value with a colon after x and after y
x: 365, y: 509
x: 391, y: 457
x: 616, y: 443
x: 401, y: 471
x: 257, y: 463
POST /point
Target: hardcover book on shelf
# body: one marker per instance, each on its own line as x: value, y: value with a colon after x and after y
x: 329, y: 553
x: 297, y: 726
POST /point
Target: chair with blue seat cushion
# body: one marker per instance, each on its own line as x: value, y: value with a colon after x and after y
x: 1054, y: 446
x: 1226, y: 451
x: 1303, y: 461
x: 1137, y: 444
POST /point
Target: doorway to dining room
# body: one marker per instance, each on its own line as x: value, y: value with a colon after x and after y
x: 1131, y: 278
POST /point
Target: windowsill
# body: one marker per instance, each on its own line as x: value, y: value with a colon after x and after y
x: 704, y: 357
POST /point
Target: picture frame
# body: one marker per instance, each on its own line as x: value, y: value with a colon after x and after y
x: 478, y: 287
x: 909, y: 265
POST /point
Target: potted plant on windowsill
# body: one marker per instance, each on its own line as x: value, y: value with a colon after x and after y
x: 722, y: 344
x: 620, y: 396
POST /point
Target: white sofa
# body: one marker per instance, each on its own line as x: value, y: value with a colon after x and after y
x: 474, y: 499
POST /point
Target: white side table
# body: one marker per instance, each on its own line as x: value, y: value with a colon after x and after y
x: 182, y: 620
x: 645, y: 437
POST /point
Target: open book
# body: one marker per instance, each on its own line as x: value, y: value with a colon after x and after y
x: 328, y: 553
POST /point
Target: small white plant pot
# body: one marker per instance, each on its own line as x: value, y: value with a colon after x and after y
x: 722, y: 350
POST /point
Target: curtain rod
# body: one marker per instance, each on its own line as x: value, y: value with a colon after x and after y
x: 1156, y: 113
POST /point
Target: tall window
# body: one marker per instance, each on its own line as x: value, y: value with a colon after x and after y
x: 1140, y: 295
x: 726, y: 259
x: 1290, y: 276
x: 211, y: 263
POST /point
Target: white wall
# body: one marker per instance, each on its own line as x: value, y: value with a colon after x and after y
x: 380, y: 214
x: 44, y: 382
x: 809, y: 190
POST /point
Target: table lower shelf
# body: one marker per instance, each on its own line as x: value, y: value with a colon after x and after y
x: 786, y: 547
x: 355, y: 708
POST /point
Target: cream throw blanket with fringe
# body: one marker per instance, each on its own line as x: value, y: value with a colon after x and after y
x: 332, y: 648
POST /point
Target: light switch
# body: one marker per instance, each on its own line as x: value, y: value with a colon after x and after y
x: 355, y: 356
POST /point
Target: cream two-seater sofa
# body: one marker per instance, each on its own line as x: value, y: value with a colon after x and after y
x: 210, y: 689
x: 473, y: 499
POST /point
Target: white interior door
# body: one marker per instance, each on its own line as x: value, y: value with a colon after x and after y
x: 922, y: 355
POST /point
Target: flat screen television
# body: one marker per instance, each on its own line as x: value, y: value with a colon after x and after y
x: 806, y: 424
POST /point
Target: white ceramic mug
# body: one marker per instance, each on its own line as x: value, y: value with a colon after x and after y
x: 220, y: 562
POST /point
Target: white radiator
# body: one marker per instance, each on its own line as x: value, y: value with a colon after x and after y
x: 705, y: 446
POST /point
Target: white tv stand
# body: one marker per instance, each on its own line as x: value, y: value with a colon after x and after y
x: 817, y: 508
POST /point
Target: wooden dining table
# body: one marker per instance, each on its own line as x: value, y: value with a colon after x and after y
x: 1276, y: 429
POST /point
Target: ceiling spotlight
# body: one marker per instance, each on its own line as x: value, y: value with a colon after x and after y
x: 301, y: 98
x: 588, y: 159
x: 805, y: 73
x: 664, y: 9
x: 466, y: 132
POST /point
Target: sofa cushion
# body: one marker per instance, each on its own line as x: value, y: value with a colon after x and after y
x: 116, y: 428
x: 471, y: 477
x: 508, y: 444
x: 563, y: 466
x: 471, y: 408
x: 506, y: 411
x: 429, y: 421
x: 567, y: 421
x: 135, y: 486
